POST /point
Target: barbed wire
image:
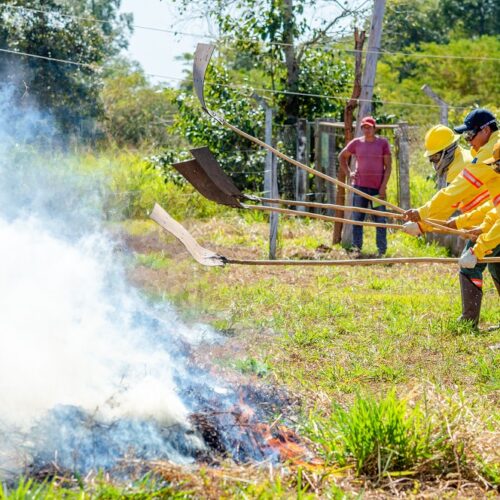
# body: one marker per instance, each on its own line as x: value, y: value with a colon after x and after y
x: 213, y: 37
x: 47, y: 58
x: 239, y: 87
x: 305, y: 94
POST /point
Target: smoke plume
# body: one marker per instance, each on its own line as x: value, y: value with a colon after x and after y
x: 89, y: 371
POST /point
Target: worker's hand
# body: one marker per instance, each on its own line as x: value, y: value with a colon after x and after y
x: 412, y: 228
x: 451, y: 223
x: 411, y: 215
x: 352, y: 175
x: 382, y: 194
x: 468, y: 260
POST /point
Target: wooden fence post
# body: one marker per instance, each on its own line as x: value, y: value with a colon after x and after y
x: 319, y: 183
x: 274, y: 216
x: 331, y: 167
x: 270, y: 175
x: 443, y: 105
x: 300, y: 174
x: 403, y: 165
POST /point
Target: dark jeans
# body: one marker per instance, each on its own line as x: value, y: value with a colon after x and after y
x: 357, y: 231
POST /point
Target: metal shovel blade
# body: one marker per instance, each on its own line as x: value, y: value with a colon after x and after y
x: 202, y: 255
x: 207, y: 161
x: 195, y: 175
x: 202, y: 57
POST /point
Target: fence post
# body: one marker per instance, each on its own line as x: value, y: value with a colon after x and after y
x: 443, y: 105
x: 301, y: 175
x: 331, y: 167
x: 273, y: 217
x: 404, y: 165
x: 270, y: 175
x: 319, y: 183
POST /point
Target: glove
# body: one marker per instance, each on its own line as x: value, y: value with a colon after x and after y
x: 412, y: 228
x: 468, y: 260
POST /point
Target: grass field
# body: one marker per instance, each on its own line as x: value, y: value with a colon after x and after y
x: 394, y: 396
x: 356, y: 345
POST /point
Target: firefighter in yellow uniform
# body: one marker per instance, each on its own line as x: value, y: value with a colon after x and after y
x: 477, y: 183
x: 448, y: 158
x: 488, y: 240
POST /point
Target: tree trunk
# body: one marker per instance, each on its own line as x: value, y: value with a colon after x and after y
x: 291, y: 107
x: 359, y: 40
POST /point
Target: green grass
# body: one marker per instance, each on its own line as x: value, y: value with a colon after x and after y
x: 380, y: 435
x: 252, y: 366
x: 380, y: 343
x: 146, y: 488
x: 154, y: 260
x: 390, y: 382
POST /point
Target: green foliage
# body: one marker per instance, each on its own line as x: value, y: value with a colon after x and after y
x: 136, y: 113
x: 461, y: 82
x: 276, y: 45
x: 471, y: 18
x: 131, y: 185
x: 69, y: 92
x: 146, y: 488
x: 252, y: 366
x: 323, y: 73
x: 242, y: 160
x: 409, y: 24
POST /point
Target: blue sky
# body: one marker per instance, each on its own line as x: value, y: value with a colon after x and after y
x: 156, y: 51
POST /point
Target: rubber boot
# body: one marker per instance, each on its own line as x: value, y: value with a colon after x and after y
x: 471, y: 301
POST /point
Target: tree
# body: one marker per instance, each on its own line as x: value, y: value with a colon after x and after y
x: 409, y: 24
x: 240, y: 159
x: 136, y: 113
x: 48, y: 28
x: 466, y: 82
x: 276, y: 37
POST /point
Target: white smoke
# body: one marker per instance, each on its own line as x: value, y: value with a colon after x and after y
x: 73, y: 333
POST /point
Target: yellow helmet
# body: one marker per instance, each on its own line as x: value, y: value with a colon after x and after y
x: 438, y: 138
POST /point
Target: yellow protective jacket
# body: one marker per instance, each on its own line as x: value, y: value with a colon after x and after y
x: 461, y: 159
x: 476, y: 184
x: 475, y: 217
x: 489, y: 239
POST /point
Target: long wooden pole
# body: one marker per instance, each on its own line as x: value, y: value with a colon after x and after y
x: 328, y: 218
x: 208, y: 258
x: 305, y: 167
x: 328, y: 178
x: 326, y: 206
x: 295, y: 213
x: 357, y: 262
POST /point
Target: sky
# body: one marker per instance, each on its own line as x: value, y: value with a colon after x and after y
x: 156, y: 51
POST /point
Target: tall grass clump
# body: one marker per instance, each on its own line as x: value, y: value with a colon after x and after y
x: 132, y: 184
x: 379, y: 436
x: 387, y: 436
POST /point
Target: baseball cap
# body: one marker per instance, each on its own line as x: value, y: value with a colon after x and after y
x: 368, y: 120
x: 476, y: 119
x: 496, y: 155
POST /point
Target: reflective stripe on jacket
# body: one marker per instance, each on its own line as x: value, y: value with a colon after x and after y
x: 472, y: 187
